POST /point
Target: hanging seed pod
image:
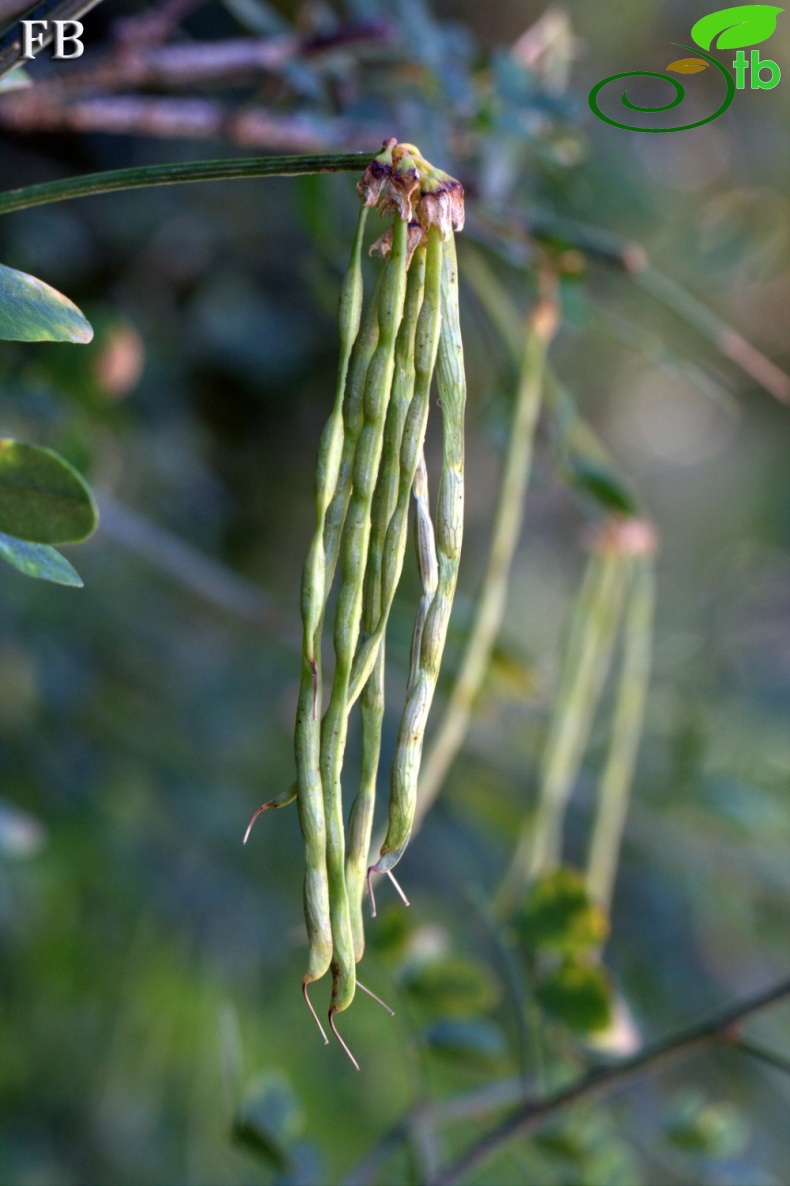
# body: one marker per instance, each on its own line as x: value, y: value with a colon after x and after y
x: 307, y: 740
x: 354, y: 551
x: 372, y: 700
x: 449, y: 533
x: 426, y: 348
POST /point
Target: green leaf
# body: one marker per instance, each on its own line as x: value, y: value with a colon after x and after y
x: 606, y: 486
x: 747, y: 24
x: 38, y: 560
x: 559, y: 916
x: 579, y: 994
x: 31, y: 311
x: 42, y: 498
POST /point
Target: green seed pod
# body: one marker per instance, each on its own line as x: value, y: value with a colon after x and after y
x: 426, y: 561
x: 372, y: 700
x: 449, y: 533
x: 354, y: 548
x: 307, y: 738
x: 425, y: 351
x: 352, y: 425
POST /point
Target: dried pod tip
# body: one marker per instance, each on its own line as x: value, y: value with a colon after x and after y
x: 377, y: 175
x: 400, y: 179
x: 627, y: 535
x: 404, y: 183
x: 545, y: 317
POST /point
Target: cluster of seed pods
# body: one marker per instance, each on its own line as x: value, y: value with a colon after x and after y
x: 370, y: 466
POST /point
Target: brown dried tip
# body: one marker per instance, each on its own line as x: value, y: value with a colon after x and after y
x: 404, y: 183
x: 443, y: 207
x: 377, y: 175
x: 415, y: 236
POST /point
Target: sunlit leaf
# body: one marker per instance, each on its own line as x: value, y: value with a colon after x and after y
x: 38, y: 560
x: 688, y: 65
x: 559, y: 916
x: 746, y: 24
x: 31, y: 311
x: 579, y: 994
x: 42, y: 498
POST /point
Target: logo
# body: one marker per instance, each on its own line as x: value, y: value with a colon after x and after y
x: 37, y: 34
x: 733, y: 28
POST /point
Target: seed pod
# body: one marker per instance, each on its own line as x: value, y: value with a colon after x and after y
x: 426, y: 562
x: 449, y: 532
x: 425, y: 352
x: 307, y: 738
x: 372, y: 699
x: 354, y: 548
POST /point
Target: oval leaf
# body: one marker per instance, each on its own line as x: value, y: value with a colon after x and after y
x: 579, y: 994
x: 688, y: 65
x: 39, y: 561
x: 559, y: 916
x: 31, y: 311
x: 42, y: 498
x: 747, y: 24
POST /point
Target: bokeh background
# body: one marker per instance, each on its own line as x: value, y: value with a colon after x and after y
x: 150, y: 965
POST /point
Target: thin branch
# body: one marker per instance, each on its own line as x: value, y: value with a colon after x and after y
x: 202, y: 574
x: 632, y: 259
x: 175, y: 118
x: 768, y: 1057
x: 530, y: 1116
x: 149, y: 175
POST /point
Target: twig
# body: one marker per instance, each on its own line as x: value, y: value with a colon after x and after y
x: 202, y: 574
x: 508, y: 519
x: 632, y: 259
x: 191, y: 119
x: 768, y: 1057
x: 530, y: 1116
x: 149, y: 175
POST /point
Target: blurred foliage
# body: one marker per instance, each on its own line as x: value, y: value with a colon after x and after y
x: 151, y: 1027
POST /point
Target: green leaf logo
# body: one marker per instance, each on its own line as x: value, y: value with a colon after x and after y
x: 747, y: 24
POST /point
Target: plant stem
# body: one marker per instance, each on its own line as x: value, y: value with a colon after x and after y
x: 176, y: 173
x: 626, y: 732
x: 588, y: 652
x: 529, y: 1116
